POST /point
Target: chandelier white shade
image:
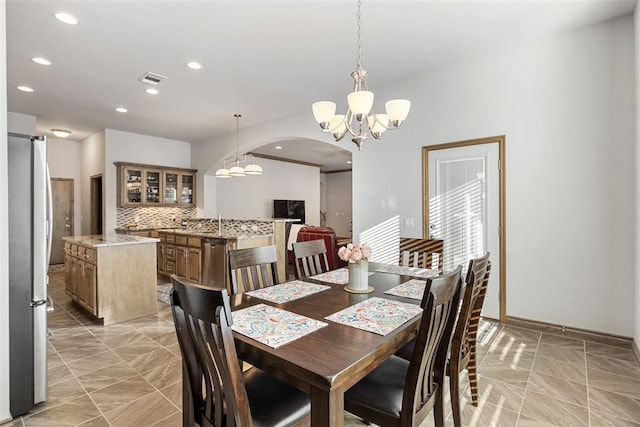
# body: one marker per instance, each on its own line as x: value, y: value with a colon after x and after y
x: 360, y: 118
x: 237, y: 170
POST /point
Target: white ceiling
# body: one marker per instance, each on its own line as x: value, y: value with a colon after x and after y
x: 264, y: 59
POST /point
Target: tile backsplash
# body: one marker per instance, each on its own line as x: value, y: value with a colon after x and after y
x: 153, y: 217
x: 172, y: 218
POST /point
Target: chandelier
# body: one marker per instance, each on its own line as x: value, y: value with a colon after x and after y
x: 360, y: 117
x: 237, y: 170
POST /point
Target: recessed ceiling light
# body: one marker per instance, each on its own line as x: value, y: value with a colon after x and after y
x: 194, y: 65
x: 152, y: 91
x: 349, y: 162
x: 278, y: 147
x: 41, y: 61
x: 121, y: 110
x: 66, y: 18
x: 25, y: 88
x: 61, y: 133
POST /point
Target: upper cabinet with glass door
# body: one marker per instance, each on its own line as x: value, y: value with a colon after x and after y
x: 187, y: 189
x: 171, y: 188
x: 153, y: 187
x: 146, y: 185
x: 132, y: 190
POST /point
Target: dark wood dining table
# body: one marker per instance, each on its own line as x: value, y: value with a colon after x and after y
x: 325, y: 363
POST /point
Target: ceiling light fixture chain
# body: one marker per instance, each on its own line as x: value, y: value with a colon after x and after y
x: 237, y: 170
x: 360, y: 107
x: 359, y: 28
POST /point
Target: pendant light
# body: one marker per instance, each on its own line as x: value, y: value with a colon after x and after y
x: 237, y: 170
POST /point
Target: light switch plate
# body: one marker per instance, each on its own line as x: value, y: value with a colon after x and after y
x: 408, y: 222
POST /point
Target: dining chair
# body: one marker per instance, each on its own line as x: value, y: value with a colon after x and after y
x: 215, y: 390
x: 421, y: 253
x: 310, y: 258
x: 463, y: 342
x: 253, y: 268
x: 401, y: 392
x: 462, y: 353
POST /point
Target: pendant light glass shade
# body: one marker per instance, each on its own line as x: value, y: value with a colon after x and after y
x: 378, y: 123
x: 253, y: 169
x: 397, y: 110
x: 323, y: 111
x: 237, y: 170
x: 360, y: 103
x: 223, y: 173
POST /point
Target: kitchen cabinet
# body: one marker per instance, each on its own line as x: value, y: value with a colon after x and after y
x: 149, y: 185
x: 113, y: 278
x: 188, y: 256
x: 80, y: 275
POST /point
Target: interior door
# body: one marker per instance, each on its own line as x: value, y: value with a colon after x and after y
x: 464, y: 209
x: 62, y: 191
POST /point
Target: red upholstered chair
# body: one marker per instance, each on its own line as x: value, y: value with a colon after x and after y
x: 327, y: 234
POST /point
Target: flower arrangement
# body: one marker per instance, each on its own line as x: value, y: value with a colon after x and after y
x: 354, y: 253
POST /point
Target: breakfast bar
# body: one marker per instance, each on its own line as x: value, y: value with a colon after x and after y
x: 113, y: 277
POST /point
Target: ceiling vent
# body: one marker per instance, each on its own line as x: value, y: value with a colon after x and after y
x: 151, y: 78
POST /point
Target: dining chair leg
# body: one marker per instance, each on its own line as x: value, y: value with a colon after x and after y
x: 473, y: 374
x: 454, y: 391
x: 438, y: 408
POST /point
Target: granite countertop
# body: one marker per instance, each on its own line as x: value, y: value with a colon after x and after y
x: 104, y: 240
x: 215, y: 235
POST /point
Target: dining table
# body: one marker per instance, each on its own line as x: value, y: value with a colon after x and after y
x: 328, y: 361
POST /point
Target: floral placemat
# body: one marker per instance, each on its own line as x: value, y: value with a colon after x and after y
x: 377, y: 315
x: 414, y: 289
x: 288, y: 291
x: 409, y: 271
x: 339, y: 276
x: 272, y: 326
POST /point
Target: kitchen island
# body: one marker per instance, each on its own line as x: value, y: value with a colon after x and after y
x: 198, y: 252
x: 113, y: 277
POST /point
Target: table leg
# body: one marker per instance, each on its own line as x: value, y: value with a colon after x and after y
x: 327, y: 408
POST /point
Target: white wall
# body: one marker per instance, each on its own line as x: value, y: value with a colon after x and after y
x: 338, y: 202
x: 4, y: 227
x: 136, y: 148
x: 252, y: 196
x: 92, y: 155
x: 21, y: 123
x: 63, y: 157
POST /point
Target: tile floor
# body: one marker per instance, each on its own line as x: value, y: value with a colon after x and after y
x: 128, y: 374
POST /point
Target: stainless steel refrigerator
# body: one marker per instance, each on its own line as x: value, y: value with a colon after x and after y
x: 29, y: 251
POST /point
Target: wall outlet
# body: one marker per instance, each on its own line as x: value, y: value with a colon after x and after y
x: 408, y: 222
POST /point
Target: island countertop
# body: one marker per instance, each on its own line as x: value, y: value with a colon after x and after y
x: 104, y: 240
x: 212, y: 235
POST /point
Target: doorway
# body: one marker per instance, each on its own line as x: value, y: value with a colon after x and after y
x: 62, y: 194
x: 96, y: 204
x: 464, y: 204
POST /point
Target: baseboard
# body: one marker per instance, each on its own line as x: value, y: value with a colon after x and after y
x: 582, y: 334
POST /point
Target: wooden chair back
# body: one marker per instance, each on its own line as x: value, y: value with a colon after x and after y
x: 421, y: 253
x: 463, y: 342
x: 253, y: 268
x: 202, y: 318
x: 426, y: 368
x: 310, y: 258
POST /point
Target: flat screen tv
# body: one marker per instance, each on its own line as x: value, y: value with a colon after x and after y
x: 293, y: 209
